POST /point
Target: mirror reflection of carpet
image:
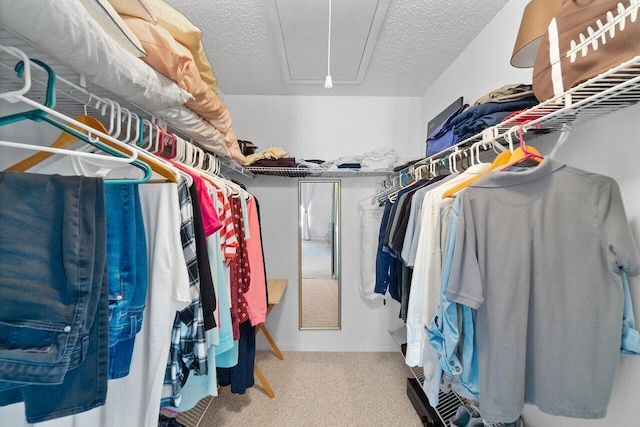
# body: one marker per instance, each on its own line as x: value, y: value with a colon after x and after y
x: 316, y: 259
x: 320, y: 303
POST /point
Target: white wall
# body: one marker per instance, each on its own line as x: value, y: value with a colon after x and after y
x: 608, y: 145
x: 326, y: 128
x: 482, y: 67
x: 364, y: 325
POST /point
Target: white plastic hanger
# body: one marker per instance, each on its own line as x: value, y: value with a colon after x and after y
x: 452, y: 162
x: 127, y: 117
x: 16, y: 96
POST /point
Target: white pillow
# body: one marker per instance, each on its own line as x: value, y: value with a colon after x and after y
x: 199, y: 130
x: 107, y: 17
x: 139, y: 8
x: 65, y: 31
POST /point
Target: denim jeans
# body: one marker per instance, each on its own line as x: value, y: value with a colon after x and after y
x: 52, y: 252
x: 53, y: 304
x: 386, y: 265
x: 85, y: 386
x: 127, y: 273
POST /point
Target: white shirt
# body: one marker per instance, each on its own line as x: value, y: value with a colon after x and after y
x: 424, y: 296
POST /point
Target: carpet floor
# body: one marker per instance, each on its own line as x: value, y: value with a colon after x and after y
x: 316, y: 389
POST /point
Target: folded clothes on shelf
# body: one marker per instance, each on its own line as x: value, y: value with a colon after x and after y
x: 506, y: 93
x: 273, y: 152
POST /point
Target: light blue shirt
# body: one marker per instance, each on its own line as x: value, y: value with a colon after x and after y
x: 630, y: 345
x: 408, y: 253
x: 444, y: 334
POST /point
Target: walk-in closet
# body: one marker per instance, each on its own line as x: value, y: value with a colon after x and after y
x: 319, y: 213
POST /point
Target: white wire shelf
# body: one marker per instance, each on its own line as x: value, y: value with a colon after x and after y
x: 301, y: 172
x: 74, y: 93
x: 606, y: 93
x: 448, y: 401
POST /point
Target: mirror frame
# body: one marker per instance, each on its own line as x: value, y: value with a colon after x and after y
x: 337, y: 200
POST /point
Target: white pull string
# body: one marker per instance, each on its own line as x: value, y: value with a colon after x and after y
x: 328, y: 83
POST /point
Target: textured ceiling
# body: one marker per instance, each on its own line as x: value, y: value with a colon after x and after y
x: 418, y: 41
x: 355, y: 27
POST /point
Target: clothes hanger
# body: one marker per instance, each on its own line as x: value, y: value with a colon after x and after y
x: 416, y: 175
x: 420, y: 171
x: 158, y: 145
x: 173, y: 143
x: 432, y: 168
x: 464, y: 154
x: 394, y: 194
x: 64, y: 140
x: 114, y: 124
x: 522, y: 153
x: 139, y: 128
x: 500, y: 160
x: 44, y: 112
x: 451, y: 159
x: 210, y: 163
x: 127, y: 118
x: 185, y: 153
x: 159, y: 166
x: 475, y: 152
x: 199, y: 159
x: 146, y: 143
x: 191, y: 161
x: 218, y: 166
x: 188, y: 153
x: 200, y: 165
x: 180, y: 149
x: 442, y: 164
x: 564, y: 135
x: 157, y: 163
x: 175, y: 155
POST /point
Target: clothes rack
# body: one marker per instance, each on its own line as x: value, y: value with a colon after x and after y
x: 116, y: 115
x: 75, y: 94
x: 606, y: 93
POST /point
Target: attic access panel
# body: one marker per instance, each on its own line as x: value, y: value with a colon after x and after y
x: 301, y: 28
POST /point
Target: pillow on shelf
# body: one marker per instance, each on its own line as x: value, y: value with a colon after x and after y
x: 138, y: 8
x: 174, y: 61
x: 187, y: 35
x: 64, y: 31
x: 199, y: 130
x: 107, y: 17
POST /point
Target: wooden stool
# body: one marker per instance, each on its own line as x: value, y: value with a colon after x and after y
x: 275, y: 289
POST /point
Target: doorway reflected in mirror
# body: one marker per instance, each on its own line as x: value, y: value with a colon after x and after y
x: 319, y: 254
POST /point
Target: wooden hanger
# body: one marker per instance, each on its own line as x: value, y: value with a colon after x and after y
x: 63, y: 141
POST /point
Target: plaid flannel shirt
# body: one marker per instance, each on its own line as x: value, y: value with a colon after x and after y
x: 188, y: 346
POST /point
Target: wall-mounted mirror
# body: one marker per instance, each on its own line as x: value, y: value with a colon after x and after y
x: 319, y: 254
